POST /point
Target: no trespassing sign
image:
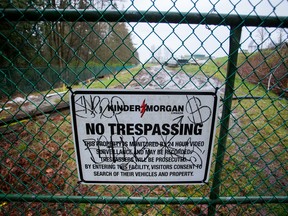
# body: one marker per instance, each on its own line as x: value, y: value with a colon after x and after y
x: 143, y: 137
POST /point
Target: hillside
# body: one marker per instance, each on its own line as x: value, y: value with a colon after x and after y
x: 268, y: 67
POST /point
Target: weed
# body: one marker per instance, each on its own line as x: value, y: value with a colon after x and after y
x: 39, y: 157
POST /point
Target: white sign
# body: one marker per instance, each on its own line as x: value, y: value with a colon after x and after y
x: 143, y: 137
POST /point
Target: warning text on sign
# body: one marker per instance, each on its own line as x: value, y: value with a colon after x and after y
x: 147, y: 137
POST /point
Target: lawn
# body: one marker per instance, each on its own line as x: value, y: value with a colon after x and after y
x: 38, y: 157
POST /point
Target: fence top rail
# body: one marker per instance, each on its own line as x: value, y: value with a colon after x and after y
x: 88, y: 15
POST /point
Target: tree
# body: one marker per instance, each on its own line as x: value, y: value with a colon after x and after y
x: 18, y: 40
x: 153, y: 50
x: 82, y: 42
x: 18, y: 49
x: 31, y: 45
x: 159, y: 54
x: 121, y: 46
x: 261, y: 35
x: 282, y: 36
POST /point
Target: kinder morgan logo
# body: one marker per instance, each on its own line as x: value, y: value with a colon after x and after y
x: 144, y: 107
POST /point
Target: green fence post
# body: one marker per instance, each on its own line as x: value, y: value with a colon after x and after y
x: 234, y: 44
x: 37, y: 157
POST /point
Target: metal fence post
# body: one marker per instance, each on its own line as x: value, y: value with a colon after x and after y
x: 234, y: 44
x: 47, y: 50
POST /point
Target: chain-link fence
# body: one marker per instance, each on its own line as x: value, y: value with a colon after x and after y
x: 238, y: 47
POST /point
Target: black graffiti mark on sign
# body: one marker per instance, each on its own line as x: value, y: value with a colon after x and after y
x: 90, y: 106
x: 198, y: 113
x: 119, y: 152
x: 188, y: 155
x: 114, y: 151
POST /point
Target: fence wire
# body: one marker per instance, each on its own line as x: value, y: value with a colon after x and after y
x: 47, y: 48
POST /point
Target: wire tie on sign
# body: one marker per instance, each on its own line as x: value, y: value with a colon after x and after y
x: 69, y: 88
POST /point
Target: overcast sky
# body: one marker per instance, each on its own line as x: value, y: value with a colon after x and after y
x: 186, y: 39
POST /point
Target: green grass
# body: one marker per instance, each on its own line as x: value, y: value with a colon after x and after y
x: 214, y: 68
x: 256, y: 150
x: 120, y: 79
x: 255, y: 162
x: 256, y: 154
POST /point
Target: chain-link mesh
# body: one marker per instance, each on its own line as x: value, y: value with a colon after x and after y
x: 239, y: 47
